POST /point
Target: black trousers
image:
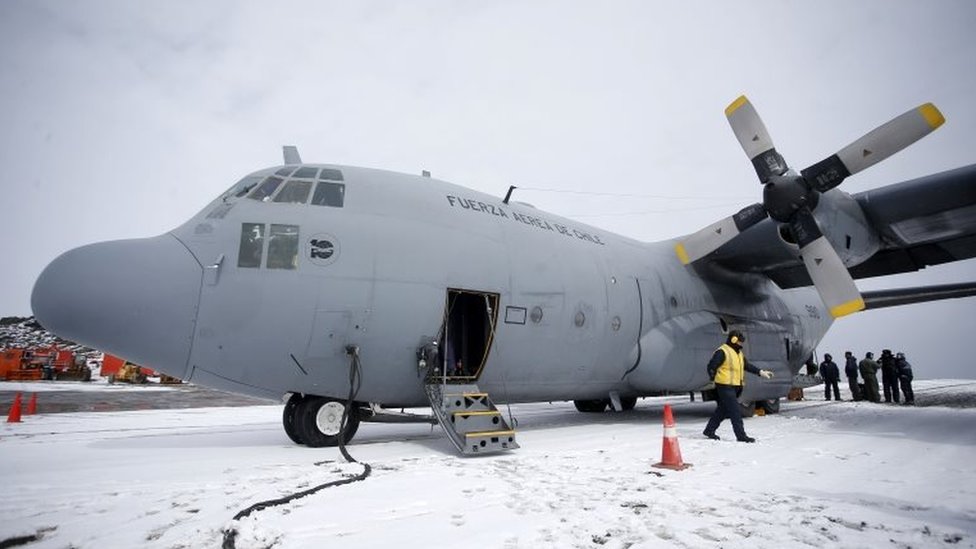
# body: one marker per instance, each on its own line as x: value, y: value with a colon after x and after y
x: 906, y: 389
x: 727, y: 407
x: 889, y: 381
x: 827, y: 386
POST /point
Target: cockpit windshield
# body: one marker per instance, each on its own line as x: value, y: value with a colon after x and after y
x: 291, y: 185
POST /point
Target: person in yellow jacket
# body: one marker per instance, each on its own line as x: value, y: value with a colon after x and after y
x: 727, y: 369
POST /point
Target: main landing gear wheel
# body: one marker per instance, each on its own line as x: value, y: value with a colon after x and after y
x: 288, y: 418
x: 591, y: 406
x: 627, y: 403
x: 319, y: 419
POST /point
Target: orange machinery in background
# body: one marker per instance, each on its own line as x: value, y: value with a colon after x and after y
x: 119, y: 369
x: 42, y: 363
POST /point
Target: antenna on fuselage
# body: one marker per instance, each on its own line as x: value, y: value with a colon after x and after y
x: 509, y: 193
x: 291, y: 154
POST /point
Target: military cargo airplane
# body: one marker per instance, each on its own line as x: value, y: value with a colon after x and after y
x: 329, y: 284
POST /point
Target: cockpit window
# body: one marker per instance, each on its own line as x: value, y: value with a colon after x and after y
x: 286, y: 171
x: 243, y: 186
x: 331, y: 174
x: 329, y: 194
x: 283, y: 247
x: 306, y: 172
x: 252, y: 244
x: 294, y: 192
x: 266, y: 188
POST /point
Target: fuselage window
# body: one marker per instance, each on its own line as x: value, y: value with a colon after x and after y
x: 306, y: 172
x: 331, y: 174
x: 329, y: 194
x: 283, y: 247
x: 294, y: 192
x: 252, y: 242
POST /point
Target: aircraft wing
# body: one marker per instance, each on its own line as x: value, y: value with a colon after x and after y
x: 921, y: 222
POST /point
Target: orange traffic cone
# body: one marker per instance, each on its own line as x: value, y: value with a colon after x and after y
x: 670, y: 453
x: 14, y: 415
x: 32, y: 405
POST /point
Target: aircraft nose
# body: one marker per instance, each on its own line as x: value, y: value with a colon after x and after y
x: 133, y: 298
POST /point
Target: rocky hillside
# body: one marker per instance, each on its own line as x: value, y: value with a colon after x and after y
x: 25, y: 332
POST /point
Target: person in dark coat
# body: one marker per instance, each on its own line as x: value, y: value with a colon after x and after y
x: 850, y: 370
x: 830, y: 375
x: 869, y: 372
x: 905, y: 377
x: 889, y: 377
x: 727, y: 369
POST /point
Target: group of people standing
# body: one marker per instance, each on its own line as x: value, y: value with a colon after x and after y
x: 895, y: 371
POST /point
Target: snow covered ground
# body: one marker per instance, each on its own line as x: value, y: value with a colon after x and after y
x: 822, y: 474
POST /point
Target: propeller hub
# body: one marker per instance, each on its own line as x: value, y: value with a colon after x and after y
x: 784, y: 195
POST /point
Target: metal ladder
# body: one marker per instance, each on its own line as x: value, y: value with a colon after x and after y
x: 470, y: 419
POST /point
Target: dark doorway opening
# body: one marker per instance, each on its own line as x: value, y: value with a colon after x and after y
x: 469, y: 329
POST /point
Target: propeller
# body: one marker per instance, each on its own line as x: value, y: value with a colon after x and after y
x: 790, y: 198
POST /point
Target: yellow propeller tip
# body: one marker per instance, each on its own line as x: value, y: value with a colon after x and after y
x: 734, y: 106
x: 682, y: 254
x: 932, y: 115
x: 845, y: 309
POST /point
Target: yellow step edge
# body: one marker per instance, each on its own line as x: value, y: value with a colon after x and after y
x: 479, y: 413
x: 490, y: 434
x: 470, y: 395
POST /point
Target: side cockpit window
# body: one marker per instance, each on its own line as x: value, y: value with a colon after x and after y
x: 252, y: 245
x: 283, y: 247
x: 282, y: 243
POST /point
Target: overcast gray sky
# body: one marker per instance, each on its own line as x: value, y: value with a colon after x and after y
x: 122, y: 119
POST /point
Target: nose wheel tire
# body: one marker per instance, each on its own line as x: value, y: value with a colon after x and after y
x: 288, y: 420
x: 318, y: 421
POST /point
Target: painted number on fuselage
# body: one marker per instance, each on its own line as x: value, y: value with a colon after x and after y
x: 322, y: 249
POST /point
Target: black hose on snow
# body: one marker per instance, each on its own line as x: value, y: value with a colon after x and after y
x: 355, y: 380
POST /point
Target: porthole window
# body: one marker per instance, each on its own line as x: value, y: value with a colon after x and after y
x: 580, y: 319
x: 536, y: 315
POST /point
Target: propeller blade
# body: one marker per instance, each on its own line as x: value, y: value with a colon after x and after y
x: 875, y: 146
x: 829, y: 275
x: 754, y: 139
x: 709, y: 239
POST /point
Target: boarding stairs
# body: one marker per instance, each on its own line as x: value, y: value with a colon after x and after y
x: 469, y: 418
